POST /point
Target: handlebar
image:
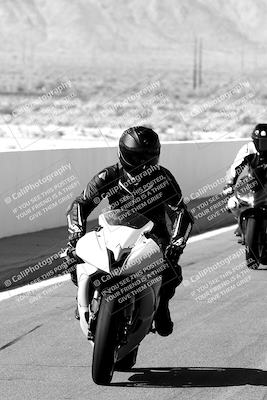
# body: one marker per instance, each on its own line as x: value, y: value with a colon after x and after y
x: 70, y: 254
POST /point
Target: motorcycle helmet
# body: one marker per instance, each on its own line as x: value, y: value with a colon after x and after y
x: 259, y: 137
x: 139, y: 148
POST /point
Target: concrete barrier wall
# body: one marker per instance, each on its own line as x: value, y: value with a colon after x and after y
x: 38, y: 186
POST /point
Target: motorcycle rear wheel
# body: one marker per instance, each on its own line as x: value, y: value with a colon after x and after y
x: 105, y: 343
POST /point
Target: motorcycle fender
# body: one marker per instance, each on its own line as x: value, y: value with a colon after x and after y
x: 147, y: 257
x: 147, y: 305
x: 251, y: 212
x: 83, y: 278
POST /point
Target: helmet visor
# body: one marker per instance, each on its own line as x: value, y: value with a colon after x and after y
x: 262, y: 144
x: 139, y: 160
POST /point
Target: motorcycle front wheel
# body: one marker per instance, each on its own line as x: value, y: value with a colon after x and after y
x: 251, y: 241
x: 105, y: 343
x: 127, y: 362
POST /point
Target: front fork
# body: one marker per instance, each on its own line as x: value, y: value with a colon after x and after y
x: 93, y: 310
x: 126, y: 320
x: 260, y: 232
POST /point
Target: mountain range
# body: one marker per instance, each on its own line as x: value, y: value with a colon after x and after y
x: 86, y: 28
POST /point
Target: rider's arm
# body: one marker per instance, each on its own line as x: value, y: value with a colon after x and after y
x: 240, y: 162
x: 84, y: 204
x: 182, y: 219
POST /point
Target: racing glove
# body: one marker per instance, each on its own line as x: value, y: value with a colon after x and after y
x: 174, y: 250
x: 180, y: 233
x: 73, y: 238
x: 228, y: 189
x: 76, y: 230
x: 70, y: 251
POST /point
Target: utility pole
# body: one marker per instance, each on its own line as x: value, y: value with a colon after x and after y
x: 200, y: 49
x: 195, y: 64
x: 242, y: 58
x: 256, y: 57
x: 29, y: 60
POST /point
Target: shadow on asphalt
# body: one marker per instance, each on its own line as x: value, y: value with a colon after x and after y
x: 194, y: 377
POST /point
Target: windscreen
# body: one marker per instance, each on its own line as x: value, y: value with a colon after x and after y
x: 126, y: 218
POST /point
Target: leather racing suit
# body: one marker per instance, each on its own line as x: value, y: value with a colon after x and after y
x: 154, y: 193
x: 247, y: 157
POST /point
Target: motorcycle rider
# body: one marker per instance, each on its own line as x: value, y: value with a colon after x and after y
x: 252, y: 155
x: 137, y: 175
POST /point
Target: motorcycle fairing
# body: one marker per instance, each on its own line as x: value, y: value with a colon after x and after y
x: 146, y: 251
x: 119, y: 238
x: 92, y: 249
x: 257, y: 212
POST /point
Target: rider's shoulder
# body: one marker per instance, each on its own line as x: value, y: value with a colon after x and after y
x: 165, y: 171
x: 251, y: 149
x: 108, y: 173
x: 160, y: 168
x: 168, y: 175
x: 247, y: 151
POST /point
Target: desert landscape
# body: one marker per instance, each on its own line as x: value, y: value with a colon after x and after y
x: 78, y: 74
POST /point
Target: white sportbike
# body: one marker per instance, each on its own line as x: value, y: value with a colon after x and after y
x: 119, y: 278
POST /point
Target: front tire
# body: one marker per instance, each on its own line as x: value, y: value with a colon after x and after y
x: 127, y: 362
x: 251, y: 240
x: 251, y: 260
x: 105, y: 343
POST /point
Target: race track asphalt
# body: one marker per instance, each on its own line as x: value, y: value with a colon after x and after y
x: 218, y: 350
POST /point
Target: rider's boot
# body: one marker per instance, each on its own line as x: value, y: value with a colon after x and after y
x: 171, y: 278
x: 163, y: 322
x: 76, y: 312
x: 238, y: 232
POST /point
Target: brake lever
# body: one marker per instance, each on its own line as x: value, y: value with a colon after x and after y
x: 71, y: 255
x: 64, y: 254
